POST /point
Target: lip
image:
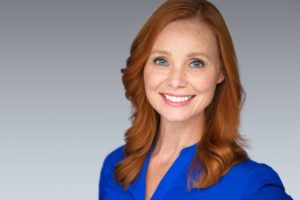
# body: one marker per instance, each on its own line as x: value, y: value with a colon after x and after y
x: 176, y: 104
x: 177, y: 95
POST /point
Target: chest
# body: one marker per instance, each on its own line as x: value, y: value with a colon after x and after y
x: 154, y: 175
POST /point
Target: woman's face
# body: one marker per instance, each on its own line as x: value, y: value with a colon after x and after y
x: 182, y: 71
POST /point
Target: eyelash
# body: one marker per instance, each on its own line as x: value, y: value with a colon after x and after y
x: 155, y: 61
x: 159, y: 59
x: 199, y: 61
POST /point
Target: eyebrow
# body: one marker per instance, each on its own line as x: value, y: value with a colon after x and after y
x: 157, y: 51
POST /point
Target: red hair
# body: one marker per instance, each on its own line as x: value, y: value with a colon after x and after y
x: 221, y: 145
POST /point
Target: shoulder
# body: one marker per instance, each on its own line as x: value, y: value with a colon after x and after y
x: 255, y: 172
x: 258, y: 181
x: 113, y: 158
x: 107, y: 171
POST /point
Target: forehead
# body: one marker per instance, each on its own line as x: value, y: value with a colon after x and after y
x: 187, y: 33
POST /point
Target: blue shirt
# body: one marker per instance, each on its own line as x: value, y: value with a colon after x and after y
x: 247, y: 180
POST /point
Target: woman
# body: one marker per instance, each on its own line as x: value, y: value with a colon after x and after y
x: 182, y: 80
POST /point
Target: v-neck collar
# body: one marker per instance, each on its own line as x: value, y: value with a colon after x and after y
x: 138, y: 187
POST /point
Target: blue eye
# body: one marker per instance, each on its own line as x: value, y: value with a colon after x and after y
x: 160, y: 61
x: 197, y: 64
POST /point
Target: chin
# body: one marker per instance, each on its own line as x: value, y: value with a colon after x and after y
x: 174, y: 118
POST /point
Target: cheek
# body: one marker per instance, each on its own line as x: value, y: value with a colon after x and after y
x: 152, y: 79
x: 203, y: 83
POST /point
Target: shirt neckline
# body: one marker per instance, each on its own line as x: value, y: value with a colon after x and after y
x: 138, y: 188
x: 185, y: 156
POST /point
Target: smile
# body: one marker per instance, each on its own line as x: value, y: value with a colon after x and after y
x: 177, y: 100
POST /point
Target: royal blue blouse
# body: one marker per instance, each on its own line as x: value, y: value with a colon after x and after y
x: 247, y: 180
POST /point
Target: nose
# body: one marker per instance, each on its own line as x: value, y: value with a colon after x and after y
x: 177, y: 78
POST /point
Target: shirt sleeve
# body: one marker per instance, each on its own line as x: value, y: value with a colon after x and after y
x: 107, y: 185
x: 264, y: 183
x: 104, y: 176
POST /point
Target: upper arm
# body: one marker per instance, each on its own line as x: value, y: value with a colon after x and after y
x: 106, y: 181
x: 104, y: 176
x: 264, y: 183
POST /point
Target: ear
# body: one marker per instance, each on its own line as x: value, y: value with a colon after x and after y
x: 221, y: 77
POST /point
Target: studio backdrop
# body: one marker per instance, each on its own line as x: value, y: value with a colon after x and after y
x: 62, y: 103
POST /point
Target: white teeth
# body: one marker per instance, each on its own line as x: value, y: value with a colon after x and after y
x: 177, y: 99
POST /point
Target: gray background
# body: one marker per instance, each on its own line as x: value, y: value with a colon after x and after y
x: 62, y: 104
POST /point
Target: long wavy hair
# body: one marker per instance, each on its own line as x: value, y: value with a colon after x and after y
x: 221, y: 146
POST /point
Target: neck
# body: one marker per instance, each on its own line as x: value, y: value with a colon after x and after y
x: 174, y: 136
